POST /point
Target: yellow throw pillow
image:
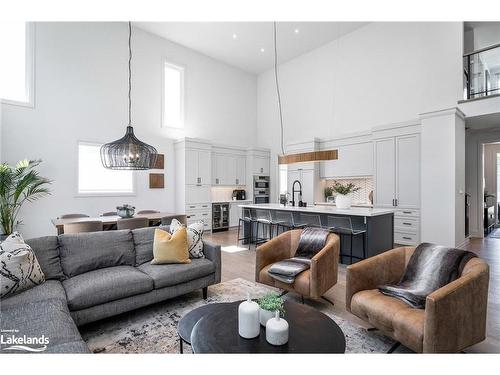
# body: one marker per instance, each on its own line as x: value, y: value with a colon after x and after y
x: 170, y: 248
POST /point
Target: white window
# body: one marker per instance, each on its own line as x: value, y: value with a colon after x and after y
x: 173, y: 96
x: 283, y: 177
x: 94, y: 179
x: 17, y: 63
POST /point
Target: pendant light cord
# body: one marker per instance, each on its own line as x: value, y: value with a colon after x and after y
x: 277, y: 85
x: 129, y: 72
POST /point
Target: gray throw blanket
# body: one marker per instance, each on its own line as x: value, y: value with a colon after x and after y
x: 430, y: 268
x: 312, y: 240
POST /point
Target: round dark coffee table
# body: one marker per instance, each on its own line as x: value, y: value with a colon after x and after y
x: 216, y: 331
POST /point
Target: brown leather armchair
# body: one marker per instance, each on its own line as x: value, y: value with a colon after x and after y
x: 454, y: 317
x: 312, y: 283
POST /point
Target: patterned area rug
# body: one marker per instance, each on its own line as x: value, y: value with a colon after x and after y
x: 153, y: 329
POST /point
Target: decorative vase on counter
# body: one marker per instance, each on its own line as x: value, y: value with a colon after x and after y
x: 264, y: 316
x: 248, y: 319
x: 277, y: 330
x: 343, y: 202
x: 125, y: 211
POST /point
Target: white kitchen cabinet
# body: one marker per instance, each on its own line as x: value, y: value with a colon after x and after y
x: 354, y: 160
x: 385, y: 172
x: 306, y: 178
x: 261, y: 166
x: 228, y: 170
x: 397, y: 172
x: 197, y: 167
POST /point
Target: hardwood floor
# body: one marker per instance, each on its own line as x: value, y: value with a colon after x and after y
x: 242, y: 264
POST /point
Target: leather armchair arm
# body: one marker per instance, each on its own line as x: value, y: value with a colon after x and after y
x: 455, y: 315
x: 272, y: 251
x: 385, y: 268
x: 324, y: 267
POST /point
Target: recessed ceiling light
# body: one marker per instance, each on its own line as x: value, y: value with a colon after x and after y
x: 262, y: 50
x: 296, y: 31
x: 235, y: 36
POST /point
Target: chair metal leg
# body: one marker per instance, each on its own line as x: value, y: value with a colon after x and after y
x: 372, y: 329
x: 302, y: 298
x: 394, y: 347
x: 284, y: 293
x: 327, y: 300
x: 364, y: 245
x: 181, y: 348
x: 350, y: 250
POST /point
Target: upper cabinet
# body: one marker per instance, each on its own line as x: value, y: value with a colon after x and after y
x: 197, y: 167
x: 354, y: 160
x: 228, y: 169
x: 397, y: 171
x: 260, y: 166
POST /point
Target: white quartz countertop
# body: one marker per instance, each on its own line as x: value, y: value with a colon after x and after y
x: 231, y: 201
x: 355, y: 204
x: 353, y: 211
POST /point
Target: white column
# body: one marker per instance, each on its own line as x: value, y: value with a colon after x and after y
x: 443, y: 177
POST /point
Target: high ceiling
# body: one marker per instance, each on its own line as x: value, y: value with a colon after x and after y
x: 249, y: 45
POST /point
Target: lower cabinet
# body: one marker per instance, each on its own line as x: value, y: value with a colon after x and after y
x: 235, y: 213
x: 200, y: 212
x: 407, y: 227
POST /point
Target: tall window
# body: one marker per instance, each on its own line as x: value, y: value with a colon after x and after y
x: 283, y: 177
x: 94, y: 179
x: 16, y: 64
x: 173, y: 96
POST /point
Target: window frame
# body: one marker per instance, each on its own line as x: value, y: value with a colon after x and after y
x: 181, y: 69
x: 78, y: 194
x: 29, y: 71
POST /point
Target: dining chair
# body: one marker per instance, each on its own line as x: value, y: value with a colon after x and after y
x: 132, y: 223
x: 147, y: 212
x: 83, y: 227
x: 167, y: 220
x: 109, y: 213
x: 72, y: 216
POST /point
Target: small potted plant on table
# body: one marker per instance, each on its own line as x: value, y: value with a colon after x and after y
x: 269, y: 304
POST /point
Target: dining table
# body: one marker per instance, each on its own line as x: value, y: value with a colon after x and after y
x: 109, y: 222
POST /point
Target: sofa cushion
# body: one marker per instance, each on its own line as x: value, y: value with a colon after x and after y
x: 51, y: 289
x: 173, y: 274
x: 403, y: 322
x: 83, y: 252
x: 49, y: 318
x: 105, y: 285
x: 143, y: 242
x: 47, y: 252
x: 19, y: 267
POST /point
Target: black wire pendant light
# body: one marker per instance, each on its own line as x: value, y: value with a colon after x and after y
x: 128, y: 152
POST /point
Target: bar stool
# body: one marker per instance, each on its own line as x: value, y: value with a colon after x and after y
x: 309, y: 220
x: 246, y: 219
x: 342, y: 225
x: 285, y: 221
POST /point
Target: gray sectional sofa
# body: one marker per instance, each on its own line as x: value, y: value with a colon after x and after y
x: 91, y: 276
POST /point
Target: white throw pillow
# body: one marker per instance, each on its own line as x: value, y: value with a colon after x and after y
x: 19, y: 268
x: 195, y: 237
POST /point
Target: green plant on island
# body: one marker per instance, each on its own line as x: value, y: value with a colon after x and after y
x: 19, y: 184
x: 328, y: 191
x: 344, y: 189
x: 271, y: 302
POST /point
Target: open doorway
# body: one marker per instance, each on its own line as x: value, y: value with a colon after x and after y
x: 491, y: 189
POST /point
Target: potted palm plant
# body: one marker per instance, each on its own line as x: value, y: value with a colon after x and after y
x: 19, y: 184
x: 342, y: 199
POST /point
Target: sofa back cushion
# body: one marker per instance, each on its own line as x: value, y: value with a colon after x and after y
x: 47, y: 252
x: 143, y: 242
x: 83, y: 252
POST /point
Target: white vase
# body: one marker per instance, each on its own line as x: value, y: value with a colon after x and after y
x: 248, y: 319
x: 343, y: 202
x: 277, y: 330
x: 265, y: 315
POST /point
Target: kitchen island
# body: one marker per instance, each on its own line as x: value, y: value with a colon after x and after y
x: 377, y: 222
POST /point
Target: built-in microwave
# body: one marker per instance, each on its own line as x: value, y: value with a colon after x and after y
x: 261, y: 199
x: 261, y: 182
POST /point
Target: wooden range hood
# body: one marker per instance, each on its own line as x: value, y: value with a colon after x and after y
x: 305, y: 157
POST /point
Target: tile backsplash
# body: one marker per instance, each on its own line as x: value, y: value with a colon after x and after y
x: 360, y: 196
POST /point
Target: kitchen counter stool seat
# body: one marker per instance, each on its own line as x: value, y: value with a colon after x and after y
x: 342, y: 226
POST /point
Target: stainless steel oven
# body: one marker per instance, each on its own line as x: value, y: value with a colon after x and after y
x: 261, y: 199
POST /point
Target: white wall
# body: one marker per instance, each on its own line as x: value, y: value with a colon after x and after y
x: 81, y: 88
x: 379, y: 74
